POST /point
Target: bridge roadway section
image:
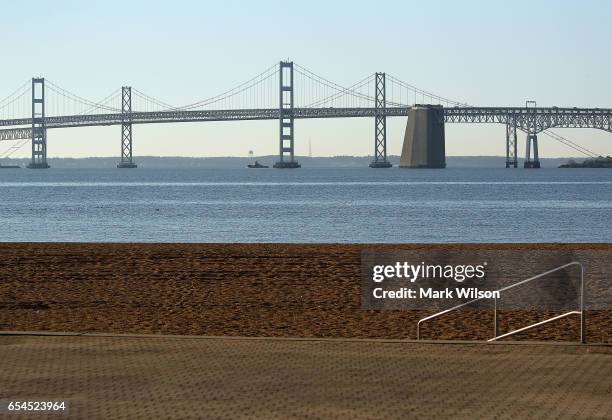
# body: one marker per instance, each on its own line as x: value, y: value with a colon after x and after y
x: 529, y: 120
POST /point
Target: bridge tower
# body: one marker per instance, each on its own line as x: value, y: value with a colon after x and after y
x: 126, y: 129
x: 39, y: 131
x: 511, y: 155
x: 285, y: 112
x: 532, y: 137
x: 380, y: 124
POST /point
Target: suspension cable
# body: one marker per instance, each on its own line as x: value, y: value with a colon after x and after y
x: 25, y: 84
x: 571, y: 144
x: 69, y: 95
x: 230, y: 93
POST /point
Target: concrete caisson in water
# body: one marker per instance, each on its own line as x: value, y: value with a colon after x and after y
x: 424, y: 138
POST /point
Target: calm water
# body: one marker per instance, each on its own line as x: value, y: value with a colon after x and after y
x: 306, y: 205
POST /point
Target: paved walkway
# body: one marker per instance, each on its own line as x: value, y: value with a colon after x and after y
x: 173, y: 377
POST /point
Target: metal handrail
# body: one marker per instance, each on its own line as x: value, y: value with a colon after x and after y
x: 537, y: 324
x: 495, y: 326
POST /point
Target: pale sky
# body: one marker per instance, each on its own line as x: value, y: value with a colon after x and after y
x: 480, y: 52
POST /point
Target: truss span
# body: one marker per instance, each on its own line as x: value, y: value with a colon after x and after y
x: 533, y: 120
x: 530, y: 120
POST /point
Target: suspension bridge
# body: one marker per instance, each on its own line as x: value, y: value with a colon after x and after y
x: 285, y: 92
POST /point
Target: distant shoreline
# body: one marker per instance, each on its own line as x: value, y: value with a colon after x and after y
x: 600, y: 163
x: 229, y: 162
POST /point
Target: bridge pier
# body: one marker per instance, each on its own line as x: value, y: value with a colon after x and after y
x: 380, y: 125
x: 126, y: 129
x: 532, y: 138
x: 39, y: 131
x: 424, y: 139
x: 511, y: 155
x: 286, y: 153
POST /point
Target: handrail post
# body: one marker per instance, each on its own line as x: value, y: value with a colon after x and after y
x: 582, y: 315
x: 495, y: 323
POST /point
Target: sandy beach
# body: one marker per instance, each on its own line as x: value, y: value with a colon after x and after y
x: 273, y: 290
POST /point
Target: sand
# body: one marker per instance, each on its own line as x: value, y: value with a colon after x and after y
x: 274, y: 290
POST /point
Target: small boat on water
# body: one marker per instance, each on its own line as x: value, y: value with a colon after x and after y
x: 10, y: 167
x: 256, y: 165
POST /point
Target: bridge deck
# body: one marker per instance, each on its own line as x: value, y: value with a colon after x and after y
x: 526, y: 119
